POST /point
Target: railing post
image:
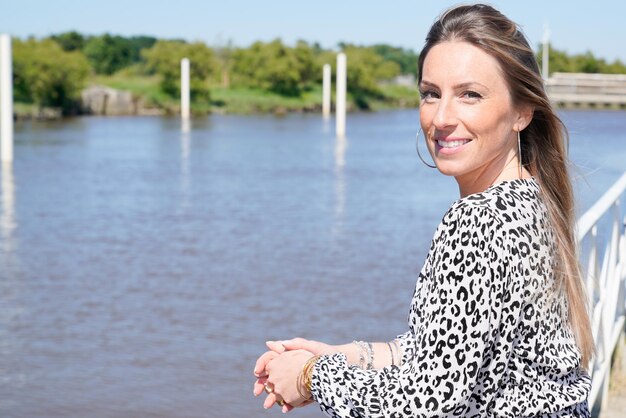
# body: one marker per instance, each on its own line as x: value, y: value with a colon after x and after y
x: 605, y: 283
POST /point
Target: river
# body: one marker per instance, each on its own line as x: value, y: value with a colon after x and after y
x: 142, y: 269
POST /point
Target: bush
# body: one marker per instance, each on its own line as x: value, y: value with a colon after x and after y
x: 46, y: 75
x: 560, y: 61
x: 275, y: 67
x: 108, y: 54
x: 70, y: 41
x: 164, y: 59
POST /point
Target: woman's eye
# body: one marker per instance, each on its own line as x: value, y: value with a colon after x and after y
x: 471, y: 95
x: 428, y: 95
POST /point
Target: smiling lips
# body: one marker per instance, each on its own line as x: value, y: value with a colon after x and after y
x: 450, y: 144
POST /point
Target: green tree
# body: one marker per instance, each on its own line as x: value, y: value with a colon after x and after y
x: 276, y: 67
x: 406, y: 59
x: 365, y: 70
x: 616, y: 67
x: 70, y: 41
x: 138, y: 43
x: 46, y: 75
x: 560, y: 61
x: 164, y: 58
x: 108, y: 54
x: 223, y: 52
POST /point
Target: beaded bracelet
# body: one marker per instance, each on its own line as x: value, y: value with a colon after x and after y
x: 362, y: 348
x: 370, y: 355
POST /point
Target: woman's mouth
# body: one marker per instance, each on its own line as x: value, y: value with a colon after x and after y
x: 452, y: 143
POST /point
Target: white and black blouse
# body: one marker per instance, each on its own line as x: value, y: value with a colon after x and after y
x: 488, y: 335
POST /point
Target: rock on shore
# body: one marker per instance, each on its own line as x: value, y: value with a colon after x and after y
x: 102, y: 100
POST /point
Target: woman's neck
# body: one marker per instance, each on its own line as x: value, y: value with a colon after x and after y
x: 481, y: 181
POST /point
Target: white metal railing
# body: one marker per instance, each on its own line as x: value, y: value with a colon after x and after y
x: 603, y: 256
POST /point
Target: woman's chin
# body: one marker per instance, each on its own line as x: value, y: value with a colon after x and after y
x: 447, y: 170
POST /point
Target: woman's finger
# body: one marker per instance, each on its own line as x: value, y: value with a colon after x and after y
x: 259, y: 367
x: 299, y: 343
x: 275, y: 346
x: 312, y: 346
x: 269, y: 401
x: 259, y: 386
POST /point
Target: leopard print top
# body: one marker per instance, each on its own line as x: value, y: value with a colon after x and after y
x: 488, y: 336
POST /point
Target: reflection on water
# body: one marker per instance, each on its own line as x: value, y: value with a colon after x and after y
x: 341, y: 144
x: 185, y: 125
x: 185, y: 178
x: 11, y: 288
x: 143, y: 267
x: 7, y: 220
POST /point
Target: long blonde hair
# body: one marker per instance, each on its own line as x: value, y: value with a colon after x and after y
x: 543, y: 142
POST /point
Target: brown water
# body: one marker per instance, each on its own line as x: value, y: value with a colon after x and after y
x: 142, y: 269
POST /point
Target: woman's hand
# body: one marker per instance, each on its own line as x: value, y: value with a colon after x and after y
x: 279, y: 347
x: 283, y: 371
x: 315, y: 347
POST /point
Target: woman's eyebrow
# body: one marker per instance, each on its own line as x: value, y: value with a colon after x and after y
x: 456, y: 86
x: 427, y: 83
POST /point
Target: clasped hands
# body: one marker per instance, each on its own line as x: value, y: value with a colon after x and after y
x: 277, y: 371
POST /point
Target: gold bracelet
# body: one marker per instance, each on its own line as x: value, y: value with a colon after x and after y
x: 305, y: 376
x: 308, y: 369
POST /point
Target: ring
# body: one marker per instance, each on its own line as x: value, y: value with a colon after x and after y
x: 268, y: 389
x: 280, y: 402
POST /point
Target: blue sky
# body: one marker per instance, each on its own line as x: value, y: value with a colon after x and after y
x: 575, y: 26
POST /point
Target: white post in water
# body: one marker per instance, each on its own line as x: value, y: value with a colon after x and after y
x: 341, y: 95
x: 6, y: 99
x: 326, y: 91
x: 184, y: 90
x: 546, y: 53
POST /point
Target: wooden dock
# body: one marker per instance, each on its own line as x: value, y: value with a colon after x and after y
x: 582, y: 90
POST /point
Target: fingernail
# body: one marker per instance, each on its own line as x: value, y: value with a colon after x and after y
x: 269, y: 342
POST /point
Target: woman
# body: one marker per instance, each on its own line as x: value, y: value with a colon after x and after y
x: 498, y: 323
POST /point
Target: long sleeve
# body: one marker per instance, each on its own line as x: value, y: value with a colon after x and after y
x: 463, y: 319
x: 406, y: 343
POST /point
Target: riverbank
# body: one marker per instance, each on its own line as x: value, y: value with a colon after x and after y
x: 141, y: 95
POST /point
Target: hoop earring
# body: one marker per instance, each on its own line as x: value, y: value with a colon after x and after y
x: 519, y: 153
x: 417, y: 148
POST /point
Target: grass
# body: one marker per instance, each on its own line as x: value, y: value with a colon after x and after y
x: 400, y: 96
x: 248, y: 100
x: 245, y: 100
x: 146, y: 87
x: 32, y: 111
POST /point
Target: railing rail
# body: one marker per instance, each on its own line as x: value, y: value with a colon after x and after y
x: 603, y: 256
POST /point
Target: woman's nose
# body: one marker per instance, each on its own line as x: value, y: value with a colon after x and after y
x: 445, y: 114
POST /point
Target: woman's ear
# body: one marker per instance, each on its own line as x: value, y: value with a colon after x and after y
x: 524, y: 117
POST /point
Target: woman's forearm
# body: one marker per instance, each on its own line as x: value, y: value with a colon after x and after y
x: 372, y: 355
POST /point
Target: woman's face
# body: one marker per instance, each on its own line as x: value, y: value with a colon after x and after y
x: 468, y: 115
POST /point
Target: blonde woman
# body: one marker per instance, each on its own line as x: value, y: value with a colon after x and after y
x: 498, y: 323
